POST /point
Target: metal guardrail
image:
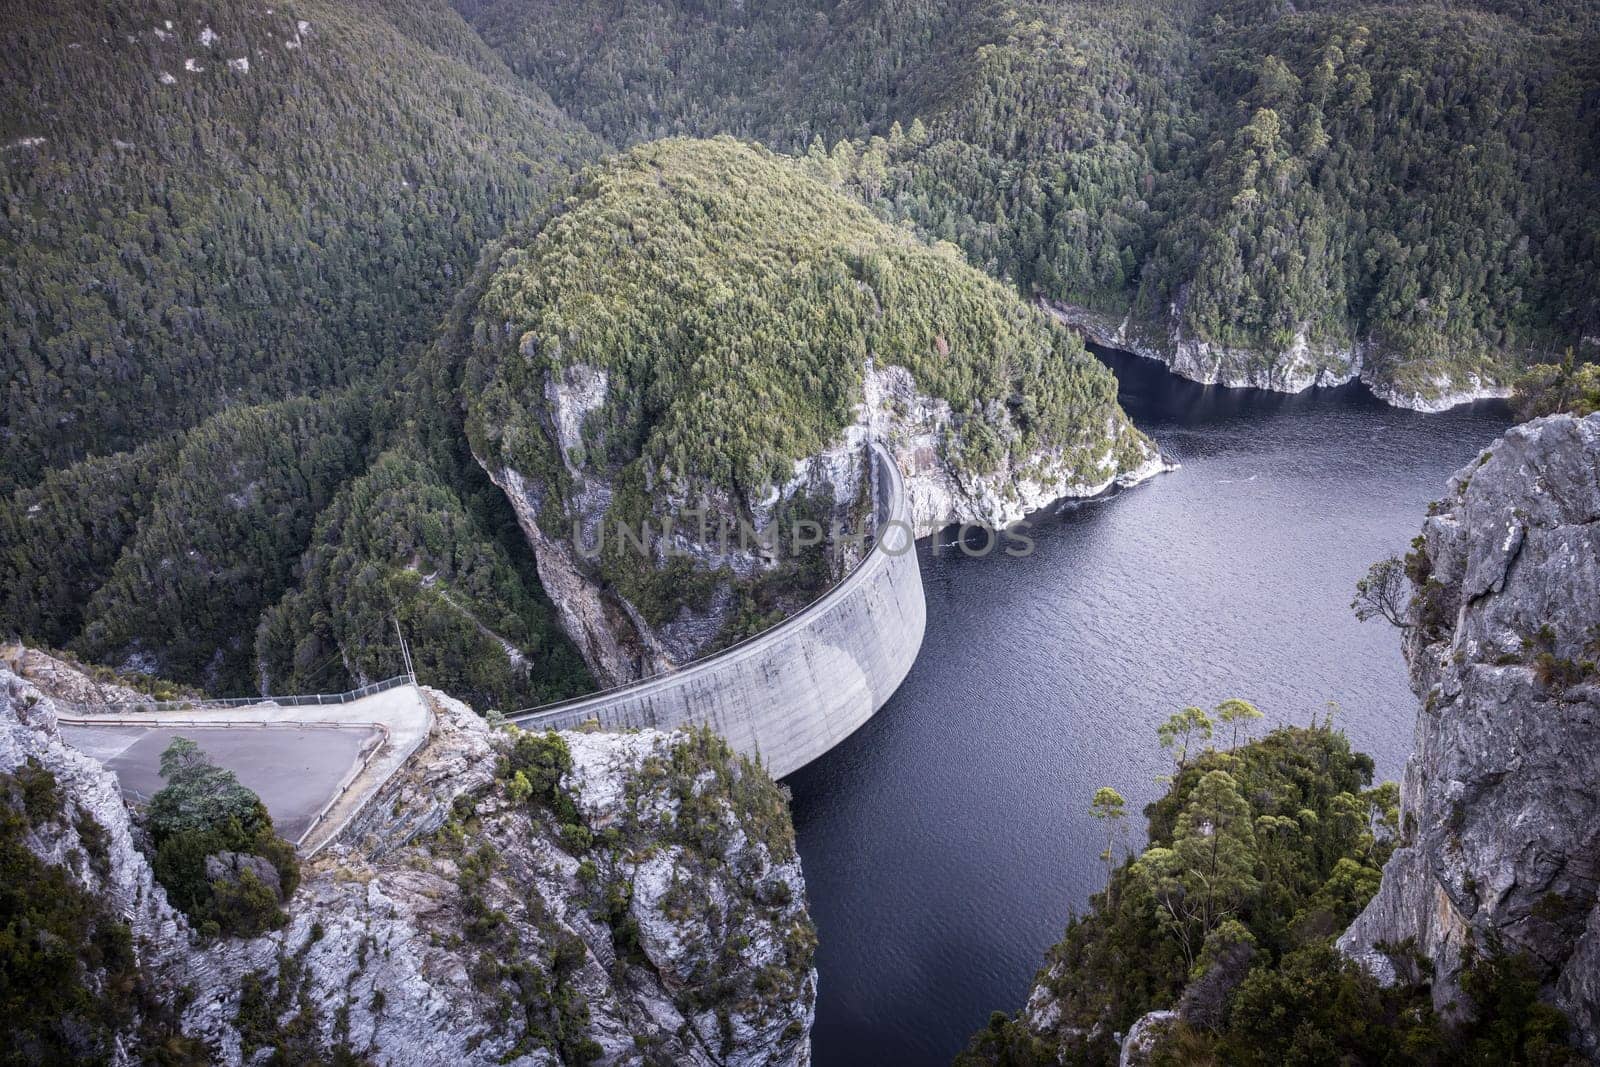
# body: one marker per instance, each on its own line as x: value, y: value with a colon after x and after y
x: 191, y: 724
x: 890, y: 496
x: 148, y: 707
x: 375, y: 791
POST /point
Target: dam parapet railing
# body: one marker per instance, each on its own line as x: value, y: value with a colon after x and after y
x: 152, y: 707
x: 793, y: 691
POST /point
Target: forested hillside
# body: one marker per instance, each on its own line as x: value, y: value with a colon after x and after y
x: 272, y: 548
x: 60, y: 538
x: 695, y: 327
x: 1408, y: 186
x: 235, y: 438
x: 774, y: 72
x: 399, y: 544
x: 205, y: 204
x: 734, y: 302
x: 221, y: 536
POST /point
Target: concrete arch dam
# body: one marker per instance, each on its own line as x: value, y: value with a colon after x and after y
x: 794, y: 691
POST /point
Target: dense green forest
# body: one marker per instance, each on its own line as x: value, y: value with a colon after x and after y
x: 211, y: 210
x: 733, y: 302
x: 1258, y: 857
x: 1569, y: 386
x: 271, y: 549
x: 399, y: 544
x: 206, y: 208
x: 774, y: 72
x: 61, y: 538
x: 204, y: 204
x: 1417, y: 180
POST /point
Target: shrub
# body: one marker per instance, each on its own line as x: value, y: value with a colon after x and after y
x: 203, y: 812
x: 245, y: 907
x: 199, y: 795
x: 533, y: 770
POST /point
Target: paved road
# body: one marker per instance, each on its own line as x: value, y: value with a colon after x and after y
x: 295, y: 770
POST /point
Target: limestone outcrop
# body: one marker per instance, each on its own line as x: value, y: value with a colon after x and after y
x: 922, y: 436
x: 652, y: 909
x: 621, y: 639
x: 1300, y: 365
x: 833, y: 488
x: 1500, y: 807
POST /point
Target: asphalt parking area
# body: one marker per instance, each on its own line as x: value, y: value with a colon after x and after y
x: 295, y: 770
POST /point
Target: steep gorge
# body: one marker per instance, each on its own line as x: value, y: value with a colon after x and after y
x: 1257, y: 926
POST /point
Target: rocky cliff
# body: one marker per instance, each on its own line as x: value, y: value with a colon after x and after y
x: 650, y: 909
x: 738, y: 539
x: 1500, y: 806
x: 1300, y: 365
x: 703, y: 338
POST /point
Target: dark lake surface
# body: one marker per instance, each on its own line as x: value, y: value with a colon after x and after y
x: 946, y: 842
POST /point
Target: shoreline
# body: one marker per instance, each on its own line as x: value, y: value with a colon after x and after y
x: 1098, y: 329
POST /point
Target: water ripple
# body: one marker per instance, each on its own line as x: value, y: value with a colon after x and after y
x: 945, y: 843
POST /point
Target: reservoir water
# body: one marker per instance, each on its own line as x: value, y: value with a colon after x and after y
x: 946, y: 842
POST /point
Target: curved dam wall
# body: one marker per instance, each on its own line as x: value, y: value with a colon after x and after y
x: 791, y: 693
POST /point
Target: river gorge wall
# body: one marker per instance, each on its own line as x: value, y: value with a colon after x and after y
x: 1301, y: 365
x: 1500, y: 819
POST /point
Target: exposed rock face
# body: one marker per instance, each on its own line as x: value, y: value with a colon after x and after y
x: 1302, y: 365
x: 1443, y: 393
x: 61, y: 680
x: 233, y: 866
x: 622, y: 645
x: 595, y: 618
x: 1143, y: 1036
x: 921, y: 434
x: 454, y: 923
x: 1500, y: 810
x: 617, y: 640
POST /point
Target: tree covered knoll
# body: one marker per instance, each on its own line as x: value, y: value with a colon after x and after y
x: 1417, y: 179
x: 202, y: 204
x: 734, y: 302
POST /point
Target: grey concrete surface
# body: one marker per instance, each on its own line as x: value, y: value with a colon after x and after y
x: 793, y: 692
x: 305, y: 761
x: 295, y: 770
